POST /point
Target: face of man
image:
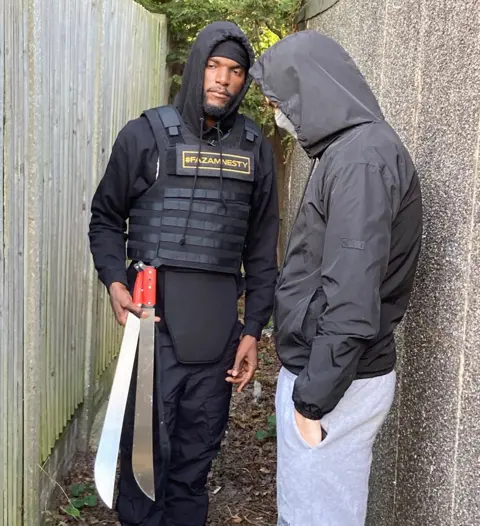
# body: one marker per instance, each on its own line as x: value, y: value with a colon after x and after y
x: 280, y: 119
x: 224, y: 80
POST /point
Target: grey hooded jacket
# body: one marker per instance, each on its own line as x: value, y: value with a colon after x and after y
x: 353, y: 250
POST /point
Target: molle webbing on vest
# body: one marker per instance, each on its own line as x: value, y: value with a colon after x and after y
x: 196, y: 213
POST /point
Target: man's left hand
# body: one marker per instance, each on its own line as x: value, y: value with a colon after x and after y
x: 246, y: 363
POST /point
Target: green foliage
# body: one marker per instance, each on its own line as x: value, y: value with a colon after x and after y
x: 270, y: 431
x: 263, y: 21
x: 82, y: 495
x: 72, y: 511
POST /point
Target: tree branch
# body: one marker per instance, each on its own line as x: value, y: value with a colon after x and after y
x: 273, y: 30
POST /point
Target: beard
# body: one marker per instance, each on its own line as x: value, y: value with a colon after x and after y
x: 218, y: 112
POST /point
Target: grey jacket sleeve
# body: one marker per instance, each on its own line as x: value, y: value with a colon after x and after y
x: 356, y: 252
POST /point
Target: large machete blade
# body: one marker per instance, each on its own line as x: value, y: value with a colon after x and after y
x: 142, y: 457
x: 107, y: 453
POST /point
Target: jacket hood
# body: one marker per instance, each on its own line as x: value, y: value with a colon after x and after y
x: 189, y: 100
x: 317, y: 86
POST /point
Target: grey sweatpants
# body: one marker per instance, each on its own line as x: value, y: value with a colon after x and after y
x: 327, y: 485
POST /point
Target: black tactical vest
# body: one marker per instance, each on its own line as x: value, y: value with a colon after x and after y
x: 196, y: 213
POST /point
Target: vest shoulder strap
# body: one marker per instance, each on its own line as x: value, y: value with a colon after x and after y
x: 252, y: 131
x: 251, y: 137
x: 171, y: 119
x: 166, y: 125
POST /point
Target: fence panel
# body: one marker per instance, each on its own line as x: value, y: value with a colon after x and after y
x: 72, y: 73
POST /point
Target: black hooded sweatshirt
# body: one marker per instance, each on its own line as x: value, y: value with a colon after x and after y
x: 131, y: 170
x: 353, y: 250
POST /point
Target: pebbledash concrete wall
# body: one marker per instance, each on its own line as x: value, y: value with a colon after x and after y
x: 422, y: 59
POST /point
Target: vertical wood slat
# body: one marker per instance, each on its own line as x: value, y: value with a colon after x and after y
x: 14, y: 52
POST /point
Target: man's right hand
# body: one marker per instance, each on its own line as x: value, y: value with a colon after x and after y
x: 122, y: 303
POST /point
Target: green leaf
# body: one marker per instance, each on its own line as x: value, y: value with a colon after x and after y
x: 272, y: 420
x: 261, y: 435
x: 78, y: 489
x: 91, y: 500
x: 78, y: 503
x: 72, y: 511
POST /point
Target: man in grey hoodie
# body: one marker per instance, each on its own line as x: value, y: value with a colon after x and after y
x: 346, y: 280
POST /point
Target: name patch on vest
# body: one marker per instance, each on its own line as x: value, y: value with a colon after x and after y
x: 234, y: 164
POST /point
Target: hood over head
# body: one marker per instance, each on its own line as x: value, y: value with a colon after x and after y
x: 189, y: 100
x: 317, y: 86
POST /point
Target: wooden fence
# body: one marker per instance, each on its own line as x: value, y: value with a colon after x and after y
x: 72, y: 72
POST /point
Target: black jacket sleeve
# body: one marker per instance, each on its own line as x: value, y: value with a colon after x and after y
x: 356, y: 252
x: 260, y: 254
x: 126, y: 177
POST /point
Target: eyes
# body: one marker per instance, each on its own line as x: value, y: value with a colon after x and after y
x: 236, y: 71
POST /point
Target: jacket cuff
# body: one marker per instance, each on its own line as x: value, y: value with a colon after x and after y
x: 109, y: 276
x: 253, y: 328
x: 312, y: 412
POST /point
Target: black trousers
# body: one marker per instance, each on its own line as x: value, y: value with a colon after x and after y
x: 196, y: 402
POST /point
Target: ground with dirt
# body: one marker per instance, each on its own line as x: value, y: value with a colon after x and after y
x: 242, y: 481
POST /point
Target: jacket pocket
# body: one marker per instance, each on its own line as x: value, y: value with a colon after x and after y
x: 299, y: 326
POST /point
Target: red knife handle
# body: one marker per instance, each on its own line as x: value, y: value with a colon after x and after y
x: 138, y: 289
x: 149, y: 286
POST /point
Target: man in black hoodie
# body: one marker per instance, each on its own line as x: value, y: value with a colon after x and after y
x: 197, y: 183
x: 346, y: 280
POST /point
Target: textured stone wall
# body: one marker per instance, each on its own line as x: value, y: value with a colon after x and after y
x: 422, y: 59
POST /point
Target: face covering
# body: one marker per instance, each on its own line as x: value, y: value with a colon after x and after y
x: 283, y: 122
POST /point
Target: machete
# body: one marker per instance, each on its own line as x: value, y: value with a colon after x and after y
x: 142, y: 457
x: 107, y: 453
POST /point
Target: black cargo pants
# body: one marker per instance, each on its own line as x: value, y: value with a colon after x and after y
x: 196, y: 405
